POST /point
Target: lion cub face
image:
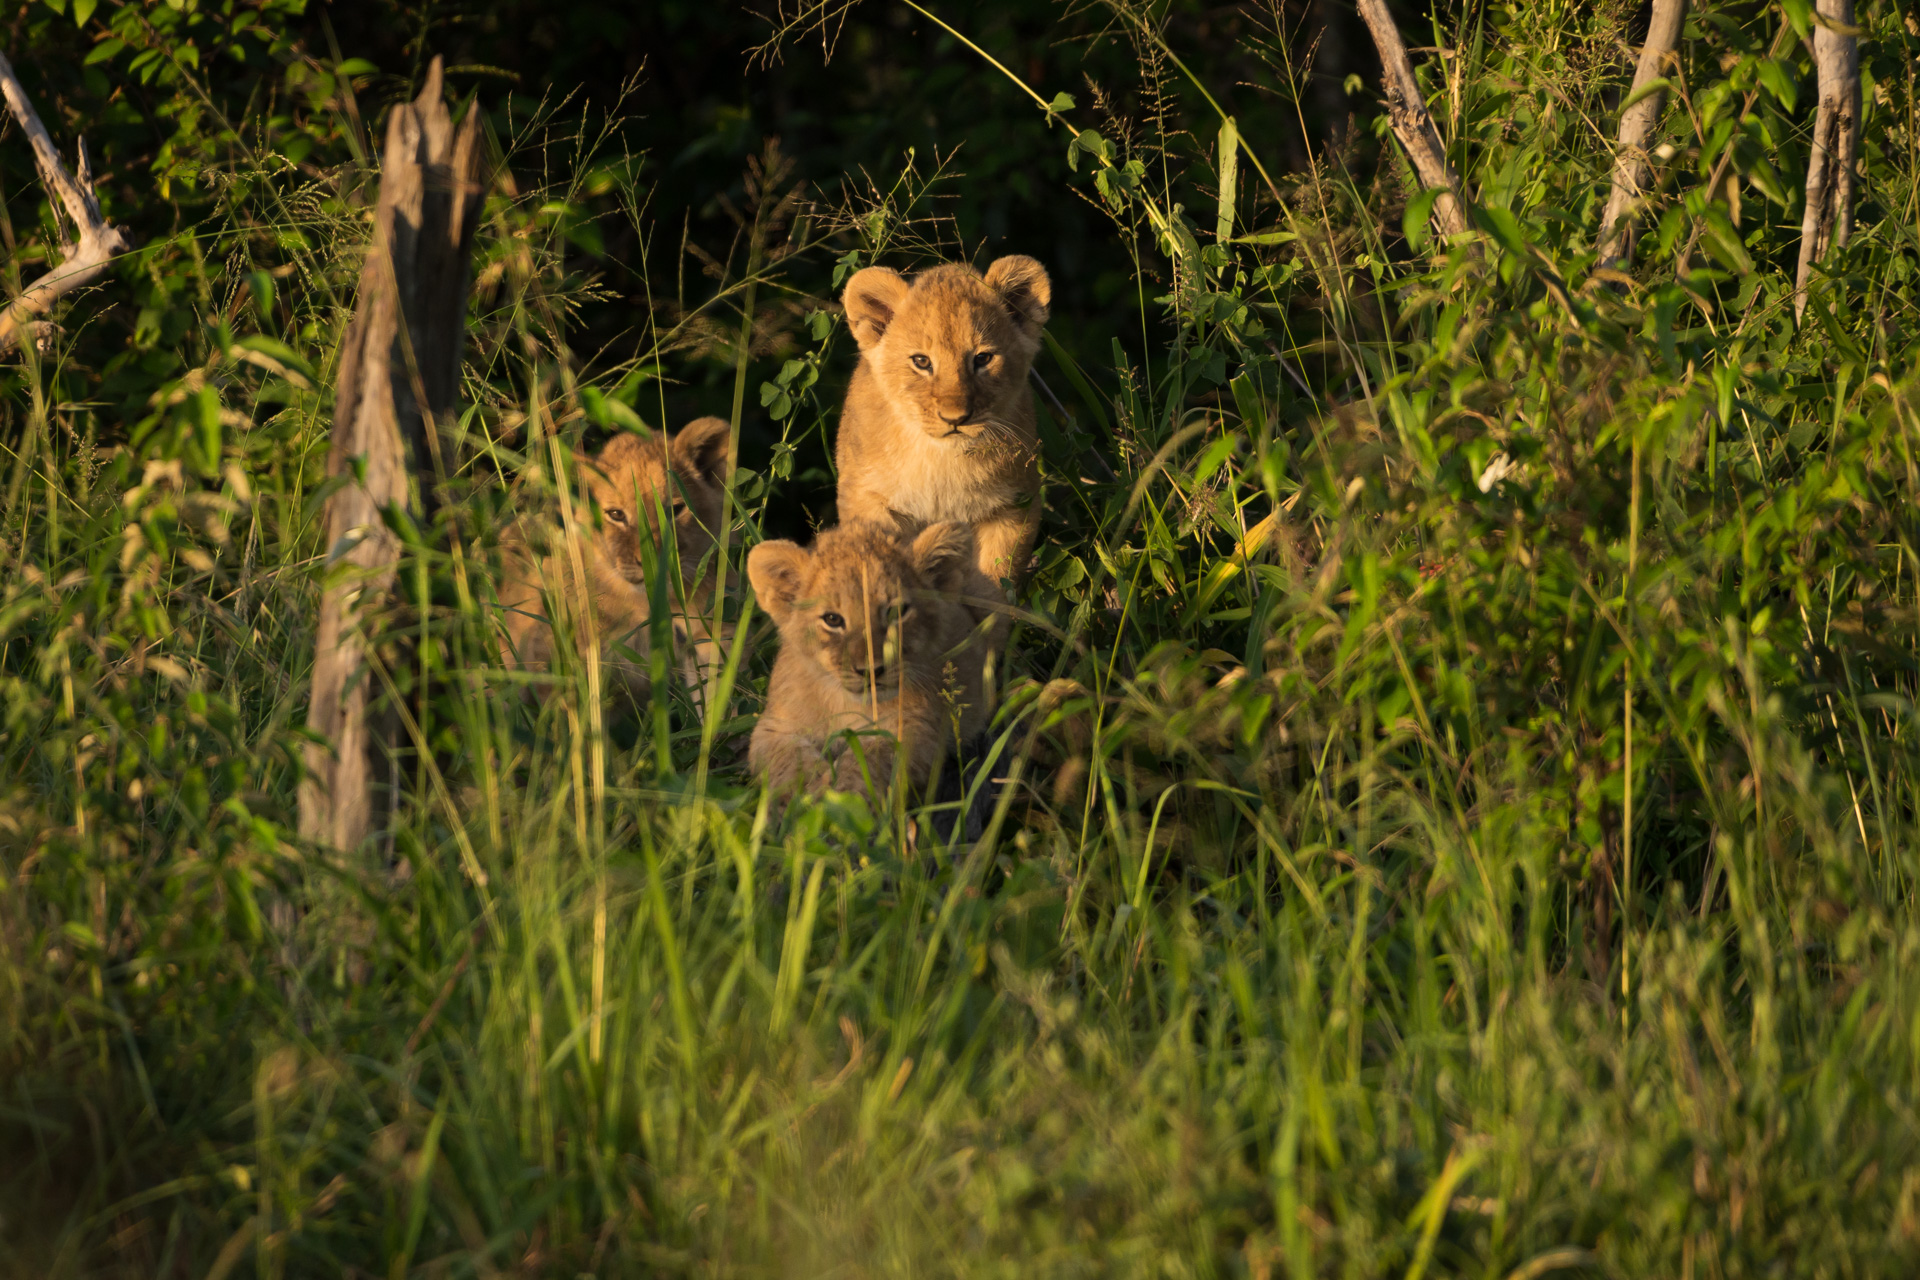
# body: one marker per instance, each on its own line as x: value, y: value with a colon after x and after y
x: 632, y: 478
x: 952, y: 349
x: 867, y: 610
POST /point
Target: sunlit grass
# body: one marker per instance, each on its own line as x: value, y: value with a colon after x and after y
x: 1310, y: 934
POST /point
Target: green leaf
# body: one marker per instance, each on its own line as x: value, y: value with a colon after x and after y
x: 1723, y: 242
x: 274, y: 356
x: 1505, y: 228
x: 104, y: 50
x: 1419, y: 212
x: 1217, y: 452
x: 58, y: 6
x: 1659, y: 84
x: 1061, y: 102
x: 1267, y: 237
x: 262, y: 285
x: 1800, y: 15
x: 1228, y: 162
x: 356, y: 67
x: 849, y: 262
x: 585, y: 236
x: 1247, y: 399
x: 1768, y: 183
x: 82, y: 10
x: 1090, y: 141
x: 1774, y: 74
x: 605, y: 411
x: 209, y: 432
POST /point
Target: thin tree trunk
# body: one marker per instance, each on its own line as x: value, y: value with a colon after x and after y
x: 1631, y: 173
x: 88, y: 258
x: 399, y: 373
x: 1836, y: 142
x: 1412, y: 123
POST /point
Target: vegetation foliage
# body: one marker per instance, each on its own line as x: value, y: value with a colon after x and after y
x: 1464, y: 787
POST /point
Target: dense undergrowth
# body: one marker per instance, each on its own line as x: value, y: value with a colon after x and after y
x: 1465, y: 801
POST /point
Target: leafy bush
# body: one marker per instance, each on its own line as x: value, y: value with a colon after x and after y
x: 1462, y: 807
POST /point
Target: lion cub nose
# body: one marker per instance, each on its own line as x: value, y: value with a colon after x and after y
x: 954, y: 417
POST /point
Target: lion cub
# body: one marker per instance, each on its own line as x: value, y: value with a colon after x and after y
x: 872, y: 637
x: 631, y: 478
x: 938, y: 423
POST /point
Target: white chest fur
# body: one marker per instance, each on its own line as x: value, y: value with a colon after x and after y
x: 953, y: 477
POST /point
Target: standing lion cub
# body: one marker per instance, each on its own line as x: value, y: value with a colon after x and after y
x: 631, y: 479
x: 872, y: 637
x: 938, y: 423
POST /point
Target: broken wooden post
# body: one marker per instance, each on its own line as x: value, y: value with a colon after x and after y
x: 1836, y: 142
x: 1413, y: 124
x: 399, y: 374
x: 85, y: 260
x: 1631, y: 172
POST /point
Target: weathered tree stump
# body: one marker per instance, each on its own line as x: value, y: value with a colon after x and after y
x: 399, y: 376
x: 1631, y: 172
x: 1412, y: 123
x: 1828, y: 220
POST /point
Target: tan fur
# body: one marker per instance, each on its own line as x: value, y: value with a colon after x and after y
x: 939, y: 421
x: 898, y: 661
x: 630, y: 479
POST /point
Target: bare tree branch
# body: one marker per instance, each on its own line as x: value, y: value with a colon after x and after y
x: 399, y: 374
x: 1631, y: 173
x: 1412, y: 123
x: 88, y: 258
x: 1836, y: 142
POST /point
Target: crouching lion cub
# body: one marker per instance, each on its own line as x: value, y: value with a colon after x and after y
x: 631, y: 479
x: 872, y: 637
x: 938, y: 423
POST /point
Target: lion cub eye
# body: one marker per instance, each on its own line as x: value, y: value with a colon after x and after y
x: 920, y: 362
x: 616, y: 515
x: 981, y: 359
x: 833, y: 620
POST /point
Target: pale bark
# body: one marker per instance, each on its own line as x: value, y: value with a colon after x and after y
x: 1631, y: 172
x: 399, y: 373
x: 1836, y: 142
x: 1412, y: 123
x: 96, y: 243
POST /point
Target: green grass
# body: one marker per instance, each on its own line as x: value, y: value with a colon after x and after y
x: 1402, y: 878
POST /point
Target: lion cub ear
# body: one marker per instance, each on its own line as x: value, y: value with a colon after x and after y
x: 702, y: 446
x: 1023, y: 284
x: 942, y: 554
x: 777, y: 571
x: 872, y: 298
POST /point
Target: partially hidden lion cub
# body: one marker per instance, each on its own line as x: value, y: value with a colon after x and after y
x: 939, y: 421
x: 631, y: 479
x: 872, y: 637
